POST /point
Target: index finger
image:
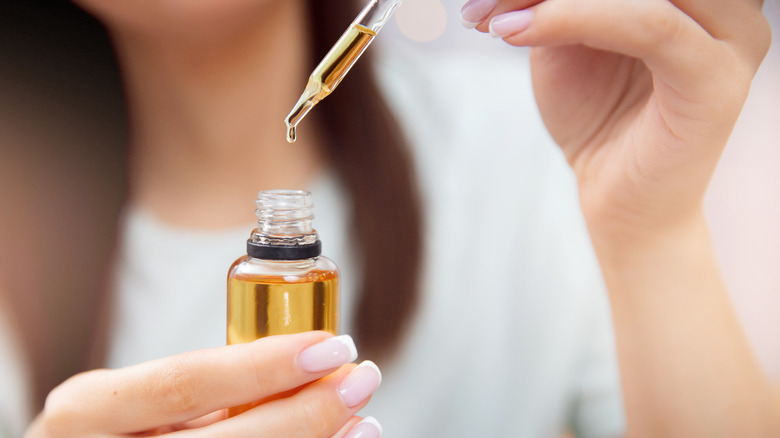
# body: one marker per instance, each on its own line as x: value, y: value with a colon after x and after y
x: 723, y: 19
x: 184, y: 387
x: 739, y: 22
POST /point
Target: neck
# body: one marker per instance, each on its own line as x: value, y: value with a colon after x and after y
x: 207, y: 127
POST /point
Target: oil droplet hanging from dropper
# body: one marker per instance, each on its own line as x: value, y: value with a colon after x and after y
x: 313, y: 94
x: 290, y: 134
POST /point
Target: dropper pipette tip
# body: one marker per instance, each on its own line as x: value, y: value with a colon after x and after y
x: 290, y: 133
x: 309, y: 98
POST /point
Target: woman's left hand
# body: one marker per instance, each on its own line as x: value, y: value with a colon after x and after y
x: 640, y: 95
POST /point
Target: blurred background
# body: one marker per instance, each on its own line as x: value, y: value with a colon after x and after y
x: 60, y: 92
x: 743, y: 207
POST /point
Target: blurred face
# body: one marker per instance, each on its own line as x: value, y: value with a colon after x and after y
x: 180, y: 18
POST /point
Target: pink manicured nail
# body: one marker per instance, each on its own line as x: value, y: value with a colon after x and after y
x: 367, y: 428
x: 475, y: 11
x: 510, y: 23
x: 360, y: 383
x: 328, y: 354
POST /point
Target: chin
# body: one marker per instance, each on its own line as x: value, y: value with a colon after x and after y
x: 180, y: 18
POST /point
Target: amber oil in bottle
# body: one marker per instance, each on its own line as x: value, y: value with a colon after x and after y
x: 283, y: 285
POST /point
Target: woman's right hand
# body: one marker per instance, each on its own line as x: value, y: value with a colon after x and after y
x: 304, y: 386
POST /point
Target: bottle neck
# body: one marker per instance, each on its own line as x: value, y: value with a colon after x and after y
x: 284, y: 227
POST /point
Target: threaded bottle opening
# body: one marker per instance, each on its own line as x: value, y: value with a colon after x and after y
x: 284, y: 212
x: 284, y: 226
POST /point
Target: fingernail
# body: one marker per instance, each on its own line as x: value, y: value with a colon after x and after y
x: 328, y: 354
x: 367, y: 428
x: 475, y: 11
x: 510, y: 23
x: 360, y: 383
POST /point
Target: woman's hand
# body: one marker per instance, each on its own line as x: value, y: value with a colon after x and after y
x: 640, y: 95
x: 297, y: 382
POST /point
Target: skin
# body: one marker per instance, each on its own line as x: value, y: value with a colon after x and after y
x: 642, y: 96
x: 188, y: 393
x: 208, y: 85
x: 626, y: 100
x: 200, y: 110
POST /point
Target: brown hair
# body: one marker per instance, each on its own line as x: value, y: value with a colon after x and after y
x: 59, y: 311
x: 63, y: 127
x: 368, y: 149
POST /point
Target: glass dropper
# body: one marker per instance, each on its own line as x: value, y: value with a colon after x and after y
x: 341, y: 57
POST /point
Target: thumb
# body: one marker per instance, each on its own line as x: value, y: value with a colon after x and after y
x: 689, y: 66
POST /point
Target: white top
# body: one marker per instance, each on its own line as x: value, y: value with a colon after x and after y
x: 14, y: 395
x: 512, y: 337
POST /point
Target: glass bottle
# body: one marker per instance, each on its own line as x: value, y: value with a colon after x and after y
x: 283, y: 285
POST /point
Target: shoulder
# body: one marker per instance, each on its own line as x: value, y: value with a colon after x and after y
x: 502, y: 210
x: 450, y: 100
x: 480, y: 144
x: 15, y: 396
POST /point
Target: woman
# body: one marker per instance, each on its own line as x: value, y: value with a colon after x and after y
x: 642, y: 152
